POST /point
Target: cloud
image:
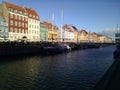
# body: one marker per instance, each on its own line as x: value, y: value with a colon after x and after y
x: 109, y: 32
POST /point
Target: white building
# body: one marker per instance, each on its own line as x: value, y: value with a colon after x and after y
x: 67, y: 33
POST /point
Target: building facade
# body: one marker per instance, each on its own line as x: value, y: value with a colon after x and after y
x: 52, y: 31
x: 69, y: 33
x: 18, y: 19
x: 117, y: 37
x: 83, y: 36
x: 3, y: 28
x: 33, y: 25
x: 43, y: 32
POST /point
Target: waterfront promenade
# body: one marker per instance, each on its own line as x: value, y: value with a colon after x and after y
x: 111, y: 79
x: 21, y: 48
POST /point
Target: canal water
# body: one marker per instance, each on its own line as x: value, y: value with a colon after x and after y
x: 77, y: 70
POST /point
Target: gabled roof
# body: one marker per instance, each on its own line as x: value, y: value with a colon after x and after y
x: 49, y: 25
x: 83, y: 31
x: 69, y: 28
x: 2, y: 16
x: 9, y: 5
x: 32, y: 13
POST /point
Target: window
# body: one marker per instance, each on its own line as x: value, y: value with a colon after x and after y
x: 11, y: 15
x: 6, y: 30
x: 19, y: 30
x: 30, y: 26
x: 22, y: 30
x: 25, y: 13
x: 23, y: 18
x: 11, y: 29
x: 11, y: 22
x: 26, y: 19
x: 19, y: 24
x: 19, y: 17
x: 36, y: 17
x: 30, y: 15
x: 22, y: 24
x: 20, y: 12
x: 15, y: 23
x: 15, y: 30
x: 15, y: 16
x: 15, y: 11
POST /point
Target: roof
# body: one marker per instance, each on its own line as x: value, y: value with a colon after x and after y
x: 49, y: 25
x: 9, y: 5
x: 70, y: 28
x: 2, y: 16
x: 32, y: 13
x: 83, y: 31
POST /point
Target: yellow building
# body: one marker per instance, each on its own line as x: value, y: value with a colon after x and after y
x: 75, y: 36
x: 83, y: 36
x: 52, y: 32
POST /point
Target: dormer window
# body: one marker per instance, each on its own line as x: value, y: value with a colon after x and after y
x: 30, y: 15
x: 15, y: 11
x: 36, y: 17
x: 20, y: 12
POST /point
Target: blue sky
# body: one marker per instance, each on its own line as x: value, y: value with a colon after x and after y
x: 92, y: 15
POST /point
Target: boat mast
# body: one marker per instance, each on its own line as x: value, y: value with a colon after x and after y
x: 61, y: 26
x: 52, y: 25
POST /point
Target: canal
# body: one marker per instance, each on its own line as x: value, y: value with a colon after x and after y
x: 78, y: 70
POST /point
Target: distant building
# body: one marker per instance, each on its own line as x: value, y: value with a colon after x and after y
x: 69, y: 33
x: 43, y: 32
x: 117, y: 37
x: 83, y: 36
x: 3, y: 28
x: 104, y: 39
x: 52, y: 31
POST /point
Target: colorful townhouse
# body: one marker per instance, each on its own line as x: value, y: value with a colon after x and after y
x: 22, y: 22
x: 33, y: 25
x: 68, y: 33
x: 52, y: 31
x: 3, y: 28
x: 83, y: 36
x: 43, y: 32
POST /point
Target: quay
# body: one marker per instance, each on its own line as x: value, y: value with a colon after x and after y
x: 21, y: 48
x: 111, y: 79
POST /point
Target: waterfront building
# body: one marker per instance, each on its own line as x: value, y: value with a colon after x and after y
x: 33, y: 25
x: 75, y: 33
x: 18, y: 19
x: 3, y: 28
x: 78, y: 38
x: 43, y: 32
x: 83, y: 36
x: 52, y: 31
x: 93, y: 37
x: 105, y: 39
x: 117, y: 37
x: 68, y: 33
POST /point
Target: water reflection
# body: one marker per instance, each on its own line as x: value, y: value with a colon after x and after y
x: 79, y: 70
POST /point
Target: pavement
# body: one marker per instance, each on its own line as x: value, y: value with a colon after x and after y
x: 111, y: 79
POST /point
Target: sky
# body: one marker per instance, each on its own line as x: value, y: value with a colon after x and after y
x: 92, y: 15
